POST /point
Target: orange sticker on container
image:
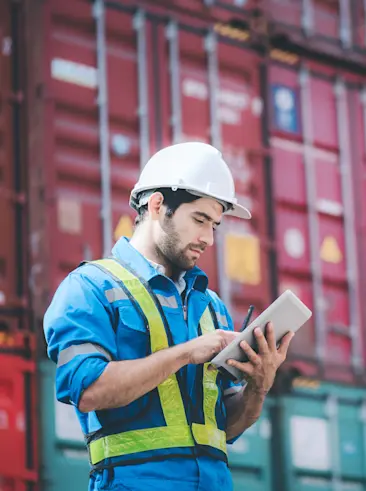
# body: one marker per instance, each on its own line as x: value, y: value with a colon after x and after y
x: 242, y: 259
x: 124, y: 227
x: 330, y: 251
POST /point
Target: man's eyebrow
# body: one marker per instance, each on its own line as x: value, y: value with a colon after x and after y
x: 207, y: 217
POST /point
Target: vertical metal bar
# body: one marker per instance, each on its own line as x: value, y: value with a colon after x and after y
x: 311, y: 196
x: 364, y: 22
x: 332, y: 413
x: 307, y: 18
x: 106, y: 207
x: 213, y: 82
x: 174, y: 70
x: 363, y: 421
x: 139, y: 24
x: 215, y: 130
x: 345, y: 23
x: 349, y: 223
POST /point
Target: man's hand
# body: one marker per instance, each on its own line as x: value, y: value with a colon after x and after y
x: 260, y: 370
x: 204, y: 348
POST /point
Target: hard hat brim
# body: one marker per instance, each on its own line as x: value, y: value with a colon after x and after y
x: 239, y: 211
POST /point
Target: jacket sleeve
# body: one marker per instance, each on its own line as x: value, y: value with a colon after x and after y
x: 78, y: 327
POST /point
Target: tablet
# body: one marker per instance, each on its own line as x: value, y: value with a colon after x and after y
x: 287, y: 313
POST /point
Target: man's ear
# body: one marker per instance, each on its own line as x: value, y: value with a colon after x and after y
x: 155, y: 205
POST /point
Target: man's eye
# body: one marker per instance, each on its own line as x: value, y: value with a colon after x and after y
x: 198, y: 221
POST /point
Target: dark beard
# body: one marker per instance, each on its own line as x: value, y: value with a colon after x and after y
x: 169, y: 250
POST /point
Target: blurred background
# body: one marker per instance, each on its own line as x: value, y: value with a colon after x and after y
x: 88, y: 91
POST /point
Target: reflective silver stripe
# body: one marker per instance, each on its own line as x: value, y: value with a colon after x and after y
x: 222, y: 319
x: 168, y: 301
x: 69, y: 353
x: 115, y: 294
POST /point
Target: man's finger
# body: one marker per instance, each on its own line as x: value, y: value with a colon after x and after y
x: 261, y: 341
x: 285, y: 343
x: 246, y: 368
x: 251, y: 354
x: 270, y: 336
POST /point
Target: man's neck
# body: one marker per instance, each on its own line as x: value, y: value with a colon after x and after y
x: 143, y: 244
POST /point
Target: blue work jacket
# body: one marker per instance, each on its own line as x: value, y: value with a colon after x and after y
x: 88, y: 324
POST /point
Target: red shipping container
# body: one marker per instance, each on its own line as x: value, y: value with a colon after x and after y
x: 71, y: 142
x: 332, y: 27
x: 286, y: 132
x: 13, y: 245
x: 7, y: 484
x: 18, y: 443
x: 312, y: 139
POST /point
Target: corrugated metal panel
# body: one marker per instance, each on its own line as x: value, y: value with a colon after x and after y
x: 141, y: 97
x: 161, y: 84
x: 18, y: 442
x: 64, y: 456
x: 8, y: 484
x: 250, y: 456
x: 335, y: 28
x: 316, y: 229
x: 13, y: 246
x: 320, y: 432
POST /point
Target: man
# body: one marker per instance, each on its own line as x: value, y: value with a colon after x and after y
x: 133, y: 335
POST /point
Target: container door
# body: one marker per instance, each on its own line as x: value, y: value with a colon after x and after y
x: 250, y: 455
x: 64, y: 457
x: 321, y: 430
x: 12, y: 197
x: 316, y: 231
x: 18, y: 443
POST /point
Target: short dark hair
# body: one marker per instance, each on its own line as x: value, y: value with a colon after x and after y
x: 172, y: 200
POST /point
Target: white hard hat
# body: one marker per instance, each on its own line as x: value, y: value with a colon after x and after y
x: 195, y: 167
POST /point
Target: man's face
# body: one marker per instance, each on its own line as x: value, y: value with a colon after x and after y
x: 182, y: 238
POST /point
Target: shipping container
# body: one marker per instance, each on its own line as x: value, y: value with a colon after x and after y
x: 316, y: 126
x: 108, y: 87
x: 18, y: 429
x: 80, y: 196
x: 64, y: 457
x: 333, y: 28
x: 250, y: 457
x: 13, y: 244
x: 319, y: 432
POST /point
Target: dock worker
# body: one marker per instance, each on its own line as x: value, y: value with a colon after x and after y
x: 133, y: 334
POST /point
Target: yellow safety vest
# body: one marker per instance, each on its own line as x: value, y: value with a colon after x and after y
x: 177, y: 432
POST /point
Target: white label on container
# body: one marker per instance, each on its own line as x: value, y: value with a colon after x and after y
x: 4, y: 420
x: 74, y: 73
x: 329, y: 207
x: 69, y: 216
x: 294, y: 243
x: 257, y: 106
x: 265, y: 429
x: 309, y: 443
x: 20, y: 422
x: 67, y: 423
x: 75, y: 454
x: 195, y: 88
x: 284, y: 99
x: 229, y: 116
